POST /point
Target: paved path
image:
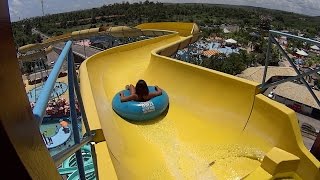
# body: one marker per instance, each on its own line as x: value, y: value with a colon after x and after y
x: 43, y: 36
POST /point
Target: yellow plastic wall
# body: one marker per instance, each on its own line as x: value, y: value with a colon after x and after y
x: 217, y: 125
x: 272, y: 124
x: 184, y: 29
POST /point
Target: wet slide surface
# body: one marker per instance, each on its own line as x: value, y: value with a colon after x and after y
x: 205, y: 134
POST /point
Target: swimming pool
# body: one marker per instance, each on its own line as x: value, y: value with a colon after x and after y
x: 195, y: 51
x: 217, y: 46
x: 59, y: 89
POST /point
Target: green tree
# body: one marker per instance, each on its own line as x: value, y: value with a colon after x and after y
x: 233, y: 64
x: 27, y: 28
x: 203, y: 14
x: 93, y: 20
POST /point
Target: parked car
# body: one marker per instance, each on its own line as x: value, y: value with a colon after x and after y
x: 270, y: 95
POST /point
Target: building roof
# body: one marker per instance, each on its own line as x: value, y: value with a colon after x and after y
x: 297, y: 92
x: 225, y: 30
x: 256, y: 73
x: 302, y: 53
x: 231, y: 41
x: 289, y: 90
x: 315, y: 47
x: 210, y: 53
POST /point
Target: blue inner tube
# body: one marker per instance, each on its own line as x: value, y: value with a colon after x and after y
x: 140, y: 111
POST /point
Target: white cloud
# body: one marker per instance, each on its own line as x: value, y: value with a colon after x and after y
x: 14, y: 7
x: 22, y: 9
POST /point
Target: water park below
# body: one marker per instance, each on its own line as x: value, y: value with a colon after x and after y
x: 57, y: 133
x: 59, y: 89
x: 62, y: 135
x: 199, y: 50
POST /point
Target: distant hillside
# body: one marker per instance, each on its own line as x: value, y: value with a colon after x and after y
x: 227, y: 6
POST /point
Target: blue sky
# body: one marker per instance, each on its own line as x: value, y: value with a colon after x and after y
x: 30, y: 8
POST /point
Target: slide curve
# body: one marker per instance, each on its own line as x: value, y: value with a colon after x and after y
x: 217, y: 126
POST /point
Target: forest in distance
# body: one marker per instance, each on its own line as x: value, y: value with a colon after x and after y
x: 136, y: 13
x: 211, y: 19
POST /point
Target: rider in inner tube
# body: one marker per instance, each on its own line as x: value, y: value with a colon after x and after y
x: 140, y: 93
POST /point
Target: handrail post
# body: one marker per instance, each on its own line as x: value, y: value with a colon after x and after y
x: 78, y: 93
x: 73, y: 115
x: 94, y: 159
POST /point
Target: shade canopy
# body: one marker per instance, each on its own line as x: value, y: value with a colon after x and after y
x: 225, y: 30
x: 314, y: 47
x: 231, y: 41
x: 302, y: 53
x: 210, y: 53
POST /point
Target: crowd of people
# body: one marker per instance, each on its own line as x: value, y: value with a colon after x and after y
x: 58, y: 107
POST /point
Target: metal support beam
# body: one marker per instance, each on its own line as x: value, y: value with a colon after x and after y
x: 84, y: 50
x: 73, y: 115
x: 311, y: 41
x: 267, y: 61
x: 83, y: 113
x: 297, y: 71
x: 95, y: 161
x: 262, y: 88
x: 315, y: 150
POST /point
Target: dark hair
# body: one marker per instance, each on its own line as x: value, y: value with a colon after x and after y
x: 142, y: 88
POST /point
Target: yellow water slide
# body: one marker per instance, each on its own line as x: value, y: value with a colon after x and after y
x: 217, y: 126
x: 32, y: 52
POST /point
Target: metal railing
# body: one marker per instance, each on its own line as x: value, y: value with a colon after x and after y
x: 315, y: 150
x: 40, y: 107
x: 299, y: 75
x: 74, y: 92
